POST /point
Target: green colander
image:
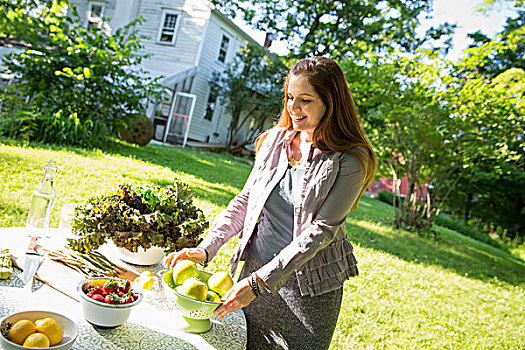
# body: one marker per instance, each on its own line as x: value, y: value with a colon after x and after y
x: 196, y: 313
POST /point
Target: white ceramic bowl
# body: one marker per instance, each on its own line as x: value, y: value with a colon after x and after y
x: 102, y: 314
x: 150, y: 256
x: 69, y: 329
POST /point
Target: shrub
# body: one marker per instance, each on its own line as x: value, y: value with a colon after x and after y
x: 73, y: 77
x: 57, y: 128
x: 448, y: 222
x: 386, y: 197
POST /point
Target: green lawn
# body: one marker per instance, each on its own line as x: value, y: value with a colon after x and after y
x: 412, y: 292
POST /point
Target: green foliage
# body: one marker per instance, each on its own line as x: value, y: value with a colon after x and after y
x: 140, y: 216
x: 511, y: 55
x: 488, y: 6
x: 386, y: 197
x: 433, y: 121
x: 251, y: 88
x: 446, y: 221
x: 58, y: 128
x: 341, y: 29
x: 491, y: 192
x: 72, y: 71
x: 410, y: 128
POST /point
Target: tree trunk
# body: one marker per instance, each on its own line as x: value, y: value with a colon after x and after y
x: 467, y: 206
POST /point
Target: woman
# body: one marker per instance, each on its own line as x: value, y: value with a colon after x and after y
x: 310, y: 171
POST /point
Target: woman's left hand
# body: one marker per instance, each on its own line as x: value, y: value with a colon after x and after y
x: 238, y: 296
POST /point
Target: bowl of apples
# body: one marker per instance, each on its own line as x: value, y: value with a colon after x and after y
x: 195, y: 293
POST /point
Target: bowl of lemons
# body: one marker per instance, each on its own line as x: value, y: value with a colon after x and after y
x: 37, y: 329
x: 194, y: 293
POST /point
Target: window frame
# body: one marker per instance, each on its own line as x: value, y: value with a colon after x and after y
x: 224, y: 36
x: 97, y: 21
x: 175, y: 29
x: 215, y: 105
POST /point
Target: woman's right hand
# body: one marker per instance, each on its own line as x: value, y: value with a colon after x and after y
x: 197, y: 255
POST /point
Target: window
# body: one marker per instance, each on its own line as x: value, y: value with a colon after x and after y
x: 224, y: 48
x: 95, y: 14
x: 210, y: 106
x: 168, y: 27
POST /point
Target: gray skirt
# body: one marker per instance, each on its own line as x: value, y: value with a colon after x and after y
x: 288, y: 320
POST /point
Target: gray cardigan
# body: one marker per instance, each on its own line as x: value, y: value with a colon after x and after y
x: 320, y: 253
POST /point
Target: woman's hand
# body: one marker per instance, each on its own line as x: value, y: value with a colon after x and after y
x: 238, y: 296
x: 197, y: 255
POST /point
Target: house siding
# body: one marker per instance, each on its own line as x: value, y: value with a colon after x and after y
x: 187, y: 37
x: 197, y: 42
x: 215, y: 130
x: 82, y: 7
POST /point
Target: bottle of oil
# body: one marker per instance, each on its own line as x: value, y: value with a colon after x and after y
x: 42, y: 202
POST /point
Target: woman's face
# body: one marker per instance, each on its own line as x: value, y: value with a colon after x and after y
x: 305, y: 106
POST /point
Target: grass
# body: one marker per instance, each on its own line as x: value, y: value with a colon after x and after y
x: 412, y: 292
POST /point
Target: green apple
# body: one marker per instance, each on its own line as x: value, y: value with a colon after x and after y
x: 183, y: 270
x: 193, y: 288
x: 220, y: 282
x: 168, y: 278
x: 213, y: 297
x: 204, y: 276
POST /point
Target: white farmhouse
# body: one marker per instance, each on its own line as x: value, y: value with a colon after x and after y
x: 189, y: 40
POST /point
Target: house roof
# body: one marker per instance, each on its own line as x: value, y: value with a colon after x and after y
x: 173, y: 72
x: 235, y: 26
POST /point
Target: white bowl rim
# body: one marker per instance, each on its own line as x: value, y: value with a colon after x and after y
x: 185, y: 296
x: 99, y: 303
x: 58, y: 346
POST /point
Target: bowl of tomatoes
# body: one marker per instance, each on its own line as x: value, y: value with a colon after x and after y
x: 107, y: 301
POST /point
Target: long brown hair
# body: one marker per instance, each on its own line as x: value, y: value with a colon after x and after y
x: 340, y: 129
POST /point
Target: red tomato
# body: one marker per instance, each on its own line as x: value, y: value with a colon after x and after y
x: 111, y: 299
x: 110, y: 286
x: 97, y: 290
x: 98, y: 297
x: 90, y: 294
x: 125, y: 286
x: 127, y: 300
x: 119, y: 293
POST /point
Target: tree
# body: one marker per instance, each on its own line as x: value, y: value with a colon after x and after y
x: 492, y: 193
x: 251, y: 87
x: 408, y: 127
x: 486, y: 6
x: 343, y: 28
x: 74, y: 80
x: 432, y: 120
x: 17, y: 14
x: 512, y: 55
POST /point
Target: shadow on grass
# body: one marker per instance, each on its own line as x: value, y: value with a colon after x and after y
x: 217, y: 170
x: 475, y: 260
x: 211, y: 192
x: 220, y: 176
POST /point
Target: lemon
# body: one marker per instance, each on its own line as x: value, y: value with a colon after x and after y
x: 51, y: 329
x: 20, y: 331
x: 146, y: 274
x: 37, y: 340
x: 145, y: 280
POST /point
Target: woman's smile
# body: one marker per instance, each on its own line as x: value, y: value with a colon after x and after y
x: 298, y: 118
x: 304, y: 105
